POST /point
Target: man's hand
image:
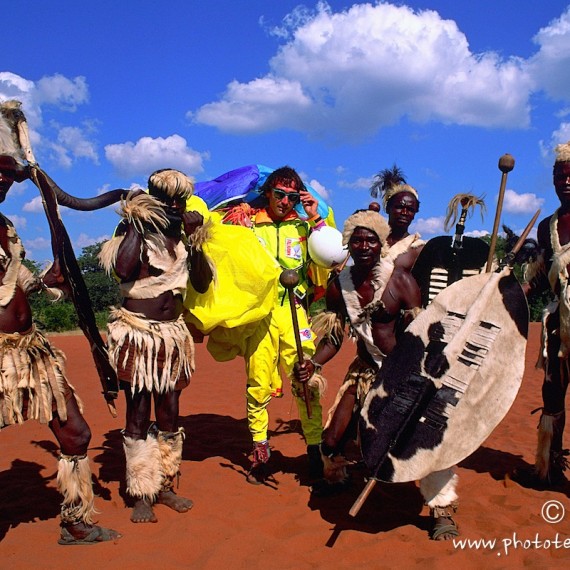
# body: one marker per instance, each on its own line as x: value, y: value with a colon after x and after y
x: 304, y: 371
x: 192, y: 221
x: 309, y: 202
x: 53, y: 278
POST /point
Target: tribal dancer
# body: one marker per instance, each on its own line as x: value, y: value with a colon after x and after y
x: 401, y: 203
x: 149, y: 343
x: 33, y: 383
x: 379, y: 299
x: 371, y: 295
x: 552, y: 270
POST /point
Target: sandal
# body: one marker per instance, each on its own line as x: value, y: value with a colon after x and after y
x: 444, y: 527
x: 95, y: 535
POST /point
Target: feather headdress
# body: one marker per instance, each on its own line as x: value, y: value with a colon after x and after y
x: 171, y: 182
x: 389, y: 182
x: 10, y: 115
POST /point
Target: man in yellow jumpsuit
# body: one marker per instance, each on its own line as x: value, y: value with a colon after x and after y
x: 284, y: 235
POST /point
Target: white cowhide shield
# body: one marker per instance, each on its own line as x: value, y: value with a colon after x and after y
x: 450, y: 380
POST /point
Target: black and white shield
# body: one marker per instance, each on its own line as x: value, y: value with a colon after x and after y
x: 449, y: 382
x: 443, y: 262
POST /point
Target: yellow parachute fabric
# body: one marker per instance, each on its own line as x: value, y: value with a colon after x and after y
x: 244, y: 291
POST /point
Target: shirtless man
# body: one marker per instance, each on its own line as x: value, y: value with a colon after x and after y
x: 33, y: 384
x: 149, y: 343
x: 377, y: 299
x: 401, y: 203
x: 552, y: 272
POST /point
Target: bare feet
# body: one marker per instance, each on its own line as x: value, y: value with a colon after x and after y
x: 142, y: 512
x: 176, y: 503
x: 80, y: 534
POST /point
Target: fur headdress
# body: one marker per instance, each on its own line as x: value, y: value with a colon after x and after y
x: 369, y: 220
x: 562, y: 152
x: 391, y: 192
x: 173, y: 183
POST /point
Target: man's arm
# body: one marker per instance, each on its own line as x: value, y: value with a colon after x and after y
x: 536, y: 272
x: 128, y: 263
x: 201, y: 274
x: 332, y: 340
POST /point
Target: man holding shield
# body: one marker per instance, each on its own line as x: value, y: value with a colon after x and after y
x: 378, y: 298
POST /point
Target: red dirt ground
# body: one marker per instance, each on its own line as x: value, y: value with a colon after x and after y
x: 280, y: 525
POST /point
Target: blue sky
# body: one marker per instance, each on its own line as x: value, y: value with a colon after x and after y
x: 116, y: 89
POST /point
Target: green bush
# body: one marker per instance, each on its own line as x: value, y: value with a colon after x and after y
x: 59, y: 317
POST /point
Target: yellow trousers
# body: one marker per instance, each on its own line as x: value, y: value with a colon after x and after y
x: 270, y: 347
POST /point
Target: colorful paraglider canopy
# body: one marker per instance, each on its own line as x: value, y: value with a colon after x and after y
x: 244, y: 185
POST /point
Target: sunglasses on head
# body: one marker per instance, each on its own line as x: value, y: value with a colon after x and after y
x: 293, y: 197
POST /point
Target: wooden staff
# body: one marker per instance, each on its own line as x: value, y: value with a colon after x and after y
x: 362, y: 497
x: 509, y: 258
x: 506, y: 164
x: 290, y: 279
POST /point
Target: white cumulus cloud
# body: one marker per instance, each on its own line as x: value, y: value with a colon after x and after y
x: 550, y: 66
x: 58, y: 141
x: 429, y: 226
x: 362, y: 182
x: 149, y: 154
x: 34, y: 205
x: 37, y: 244
x: 84, y: 240
x: 61, y: 91
x: 527, y: 203
x: 19, y: 221
x: 349, y: 73
x: 320, y: 189
x: 477, y: 233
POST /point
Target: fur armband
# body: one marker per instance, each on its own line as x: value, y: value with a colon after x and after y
x: 143, y: 210
x: 30, y: 283
x: 27, y: 281
x: 330, y: 326
x: 109, y: 252
x: 318, y: 384
x: 534, y: 268
x: 200, y: 236
x: 11, y: 262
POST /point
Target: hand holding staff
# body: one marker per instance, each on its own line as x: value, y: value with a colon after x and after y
x: 289, y: 279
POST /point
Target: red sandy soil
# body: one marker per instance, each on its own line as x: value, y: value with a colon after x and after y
x: 237, y: 525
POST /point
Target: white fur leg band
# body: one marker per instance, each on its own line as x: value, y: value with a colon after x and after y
x: 74, y: 483
x: 144, y: 475
x: 170, y: 445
